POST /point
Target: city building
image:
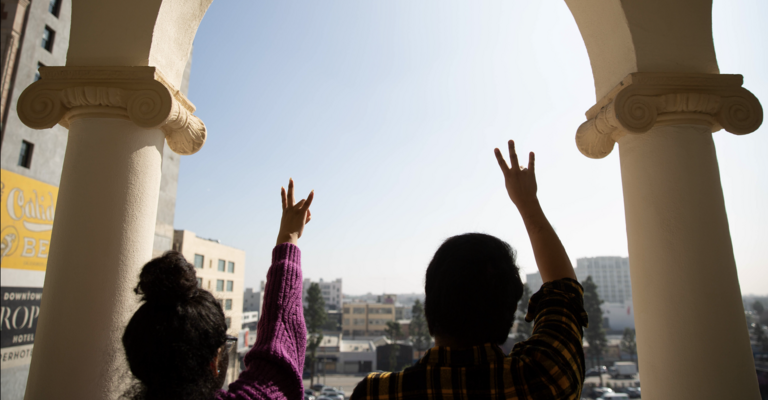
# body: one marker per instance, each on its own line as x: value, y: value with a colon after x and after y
x: 618, y: 316
x: 610, y: 274
x: 250, y: 319
x: 366, y: 319
x: 614, y: 286
x: 252, y: 300
x: 337, y: 355
x: 220, y: 270
x: 36, y: 34
x: 331, y: 292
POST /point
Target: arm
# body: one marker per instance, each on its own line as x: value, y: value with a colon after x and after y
x: 274, y: 366
x: 553, y: 354
x: 551, y: 258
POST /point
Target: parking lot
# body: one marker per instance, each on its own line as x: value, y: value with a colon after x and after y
x: 346, y: 382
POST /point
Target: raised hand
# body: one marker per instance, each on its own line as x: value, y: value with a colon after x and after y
x: 520, y: 182
x: 295, y: 215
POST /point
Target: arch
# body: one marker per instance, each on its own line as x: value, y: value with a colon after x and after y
x: 626, y: 36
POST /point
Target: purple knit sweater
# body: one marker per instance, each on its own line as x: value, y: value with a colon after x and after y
x: 273, y: 367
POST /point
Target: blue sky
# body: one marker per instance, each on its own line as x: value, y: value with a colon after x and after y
x: 390, y: 112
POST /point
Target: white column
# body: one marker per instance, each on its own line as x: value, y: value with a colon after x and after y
x: 103, y: 234
x: 118, y: 119
x: 692, y: 341
x: 692, y: 335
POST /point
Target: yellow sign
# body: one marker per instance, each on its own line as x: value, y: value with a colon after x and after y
x: 27, y: 209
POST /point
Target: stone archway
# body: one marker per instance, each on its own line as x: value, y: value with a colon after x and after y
x: 119, y: 96
x: 660, y: 97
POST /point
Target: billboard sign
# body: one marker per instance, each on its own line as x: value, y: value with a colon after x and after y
x: 27, y: 208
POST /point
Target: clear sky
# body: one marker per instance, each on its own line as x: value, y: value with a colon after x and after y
x: 390, y: 110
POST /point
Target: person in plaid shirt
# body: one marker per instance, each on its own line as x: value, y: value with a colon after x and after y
x: 472, y: 289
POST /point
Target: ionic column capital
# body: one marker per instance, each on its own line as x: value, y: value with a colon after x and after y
x: 139, y: 94
x: 643, y: 100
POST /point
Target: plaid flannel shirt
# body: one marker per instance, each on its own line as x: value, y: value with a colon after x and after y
x: 549, y: 365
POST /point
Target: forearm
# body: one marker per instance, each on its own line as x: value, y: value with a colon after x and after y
x: 551, y: 257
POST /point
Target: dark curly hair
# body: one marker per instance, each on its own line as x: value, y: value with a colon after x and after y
x: 173, y: 337
x: 472, y: 289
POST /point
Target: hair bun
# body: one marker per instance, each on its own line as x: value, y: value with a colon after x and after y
x: 169, y: 278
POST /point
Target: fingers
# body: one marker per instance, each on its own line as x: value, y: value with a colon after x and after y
x: 283, y: 198
x: 500, y: 159
x: 300, y: 204
x: 531, y: 161
x: 309, y: 200
x: 291, y: 200
x: 513, y: 156
x: 309, y: 217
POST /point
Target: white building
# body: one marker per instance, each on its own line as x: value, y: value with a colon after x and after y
x: 331, y: 292
x: 617, y: 316
x: 610, y: 274
x: 220, y: 270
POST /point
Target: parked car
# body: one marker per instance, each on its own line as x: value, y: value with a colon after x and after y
x: 614, y: 396
x: 317, y: 387
x: 309, y: 397
x: 623, y: 369
x: 592, y: 372
x: 596, y: 371
x: 599, y: 392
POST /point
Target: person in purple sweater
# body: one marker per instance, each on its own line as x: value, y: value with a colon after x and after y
x: 177, y: 345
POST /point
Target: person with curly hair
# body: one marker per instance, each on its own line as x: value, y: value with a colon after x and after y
x: 176, y: 343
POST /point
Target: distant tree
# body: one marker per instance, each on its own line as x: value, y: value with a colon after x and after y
x: 760, y: 336
x: 758, y: 308
x: 419, y: 330
x: 628, y: 343
x: 524, y: 329
x: 393, y: 331
x: 595, y: 334
x: 315, y: 317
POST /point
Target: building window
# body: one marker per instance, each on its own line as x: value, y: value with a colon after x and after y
x: 37, y: 73
x: 54, y: 7
x: 199, y: 260
x: 231, y: 267
x: 48, y: 36
x: 25, y: 156
x: 358, y: 311
x: 230, y: 286
x: 229, y: 321
x: 219, y: 285
x: 200, y: 282
x: 221, y: 265
x: 228, y: 304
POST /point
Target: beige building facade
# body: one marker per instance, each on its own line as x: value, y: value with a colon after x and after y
x: 366, y: 319
x: 220, y: 270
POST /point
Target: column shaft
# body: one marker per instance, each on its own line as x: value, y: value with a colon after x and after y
x: 692, y: 336
x: 105, y: 219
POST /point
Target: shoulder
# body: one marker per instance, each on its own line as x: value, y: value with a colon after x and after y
x: 563, y: 296
x: 384, y: 385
